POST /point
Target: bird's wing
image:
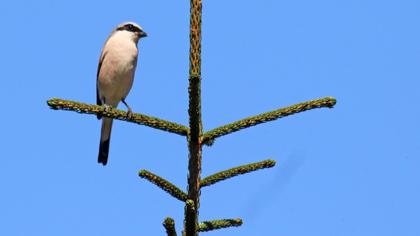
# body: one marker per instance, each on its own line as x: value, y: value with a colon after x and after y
x: 101, y: 59
x: 98, y: 100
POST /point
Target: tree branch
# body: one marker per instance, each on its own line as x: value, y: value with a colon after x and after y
x: 226, y: 174
x: 210, y: 136
x: 169, y: 225
x: 195, y: 122
x: 141, y: 119
x: 219, y: 224
x: 164, y: 184
x: 189, y: 212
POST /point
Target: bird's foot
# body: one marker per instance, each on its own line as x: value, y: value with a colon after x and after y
x: 107, y: 108
x: 129, y: 113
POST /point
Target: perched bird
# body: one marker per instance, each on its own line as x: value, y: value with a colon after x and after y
x: 115, y: 75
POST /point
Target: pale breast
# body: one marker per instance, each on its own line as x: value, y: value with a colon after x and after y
x: 119, y: 60
x: 121, y: 53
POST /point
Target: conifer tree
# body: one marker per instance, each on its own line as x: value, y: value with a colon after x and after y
x: 195, y: 137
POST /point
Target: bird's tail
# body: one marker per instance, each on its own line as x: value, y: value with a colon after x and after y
x: 105, y: 138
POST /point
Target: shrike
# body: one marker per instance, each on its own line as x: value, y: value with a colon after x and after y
x: 117, y: 65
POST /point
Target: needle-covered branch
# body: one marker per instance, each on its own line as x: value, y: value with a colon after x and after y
x: 195, y: 122
x: 141, y: 119
x: 164, y: 184
x: 226, y: 174
x: 210, y: 136
x: 169, y: 225
x: 219, y: 224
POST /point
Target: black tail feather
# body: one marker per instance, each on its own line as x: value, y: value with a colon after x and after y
x: 103, y: 152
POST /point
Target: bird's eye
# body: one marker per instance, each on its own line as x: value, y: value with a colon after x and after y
x: 130, y: 27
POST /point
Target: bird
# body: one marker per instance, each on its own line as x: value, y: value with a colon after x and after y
x: 115, y: 76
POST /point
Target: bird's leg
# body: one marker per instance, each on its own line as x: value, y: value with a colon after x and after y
x: 129, y: 111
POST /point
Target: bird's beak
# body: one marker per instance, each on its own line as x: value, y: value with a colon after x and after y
x: 142, y: 34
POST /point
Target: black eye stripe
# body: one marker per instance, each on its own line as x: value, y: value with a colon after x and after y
x: 132, y: 28
x: 129, y: 27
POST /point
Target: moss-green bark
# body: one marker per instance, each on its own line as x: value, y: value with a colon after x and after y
x: 226, y: 174
x: 211, y: 135
x: 169, y: 225
x: 219, y: 224
x: 190, y: 210
x: 141, y: 119
x: 194, y: 112
x: 164, y: 185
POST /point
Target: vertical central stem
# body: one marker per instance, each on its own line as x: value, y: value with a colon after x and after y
x: 194, y: 111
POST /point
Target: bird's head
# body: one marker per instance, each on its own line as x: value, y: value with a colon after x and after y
x: 134, y: 30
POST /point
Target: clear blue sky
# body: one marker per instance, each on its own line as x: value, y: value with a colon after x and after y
x: 351, y: 170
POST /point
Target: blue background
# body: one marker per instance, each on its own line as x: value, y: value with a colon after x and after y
x: 351, y: 170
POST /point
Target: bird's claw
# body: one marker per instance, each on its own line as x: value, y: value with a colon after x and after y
x: 129, y: 113
x: 107, y: 108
